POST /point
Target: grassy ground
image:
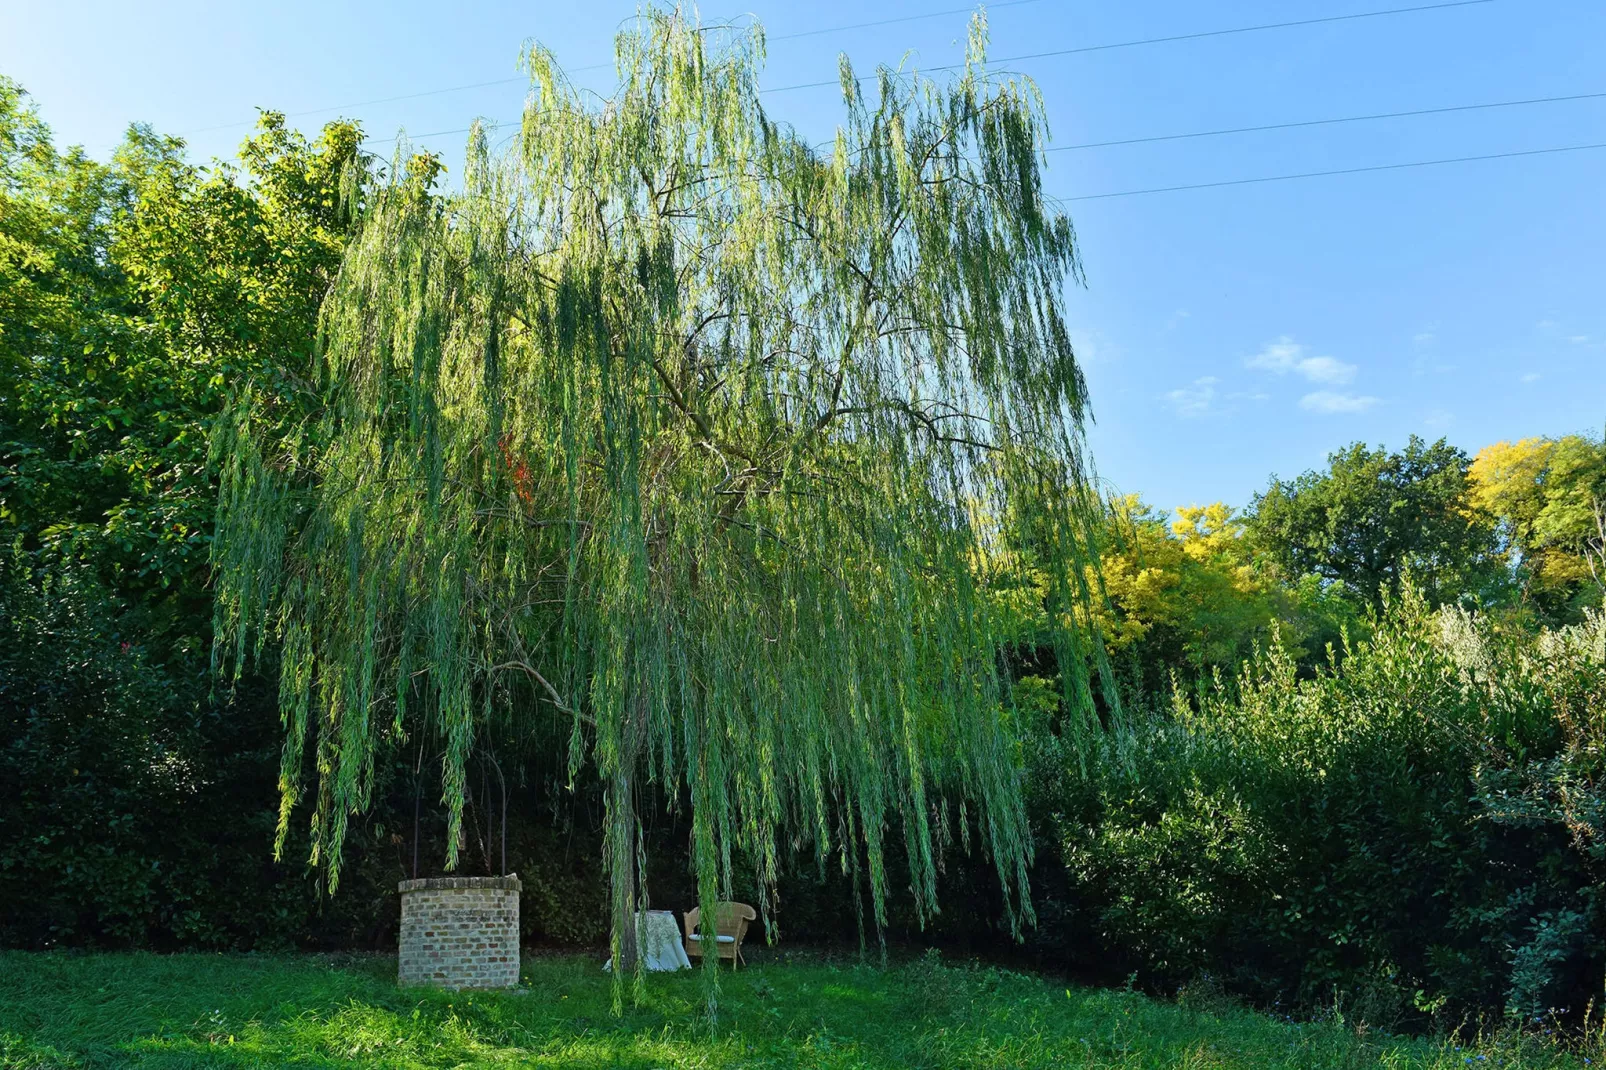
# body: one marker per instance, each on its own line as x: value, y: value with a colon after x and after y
x: 150, y: 1011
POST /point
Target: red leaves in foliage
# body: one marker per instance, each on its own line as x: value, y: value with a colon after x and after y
x: 518, y: 468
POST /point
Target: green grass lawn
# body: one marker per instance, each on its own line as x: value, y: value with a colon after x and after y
x: 138, y: 1010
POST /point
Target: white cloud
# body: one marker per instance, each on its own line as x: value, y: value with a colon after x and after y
x: 1286, y: 355
x: 1280, y: 356
x: 1194, y: 400
x: 1332, y: 401
x: 1578, y: 339
x: 1326, y: 370
x: 1531, y: 377
x: 1422, y: 338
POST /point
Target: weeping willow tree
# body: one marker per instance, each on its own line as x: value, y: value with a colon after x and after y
x: 718, y: 447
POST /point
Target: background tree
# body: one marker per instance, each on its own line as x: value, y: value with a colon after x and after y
x: 682, y: 430
x: 1183, y: 595
x: 1187, y: 597
x: 63, y: 300
x: 1549, y: 496
x: 133, y: 294
x: 1375, y: 515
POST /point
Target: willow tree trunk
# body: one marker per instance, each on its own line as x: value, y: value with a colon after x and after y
x: 624, y: 849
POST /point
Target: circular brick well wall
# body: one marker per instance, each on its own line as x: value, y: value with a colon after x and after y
x: 459, y: 932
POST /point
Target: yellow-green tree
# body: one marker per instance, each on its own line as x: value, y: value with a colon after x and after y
x: 1182, y: 593
x: 1549, y: 496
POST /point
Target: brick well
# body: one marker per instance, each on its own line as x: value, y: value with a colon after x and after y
x: 459, y: 932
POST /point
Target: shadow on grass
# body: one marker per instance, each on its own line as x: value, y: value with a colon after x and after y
x: 91, y: 1011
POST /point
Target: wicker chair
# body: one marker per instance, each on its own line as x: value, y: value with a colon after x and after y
x: 731, y: 926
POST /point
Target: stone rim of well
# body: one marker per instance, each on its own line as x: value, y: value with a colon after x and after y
x: 509, y: 883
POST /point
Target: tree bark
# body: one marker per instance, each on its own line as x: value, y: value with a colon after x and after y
x: 623, y: 849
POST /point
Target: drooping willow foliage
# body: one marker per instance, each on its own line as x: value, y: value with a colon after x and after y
x: 735, y: 454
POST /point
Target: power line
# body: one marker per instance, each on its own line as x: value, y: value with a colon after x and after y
x: 1128, y: 44
x: 1179, y: 37
x: 1260, y: 180
x: 954, y: 66
x: 420, y: 137
x: 1296, y: 125
x: 887, y: 22
x: 1326, y: 122
x: 903, y: 18
x: 600, y: 66
x: 1341, y: 171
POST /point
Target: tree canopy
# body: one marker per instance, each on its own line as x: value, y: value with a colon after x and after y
x: 1374, y: 516
x: 1185, y: 590
x: 131, y: 294
x: 1549, y: 496
x: 705, y: 439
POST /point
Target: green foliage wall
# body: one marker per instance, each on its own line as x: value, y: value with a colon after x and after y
x: 1418, y: 828
x: 135, y: 810
x: 136, y: 800
x: 134, y: 296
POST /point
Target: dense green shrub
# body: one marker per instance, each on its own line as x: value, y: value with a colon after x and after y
x: 136, y: 807
x: 138, y: 804
x: 1296, y: 838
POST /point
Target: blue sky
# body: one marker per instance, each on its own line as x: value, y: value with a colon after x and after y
x: 1228, y: 333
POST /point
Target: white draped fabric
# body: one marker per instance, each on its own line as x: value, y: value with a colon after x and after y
x: 658, y: 936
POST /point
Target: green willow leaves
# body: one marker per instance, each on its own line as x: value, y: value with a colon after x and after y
x: 725, y: 449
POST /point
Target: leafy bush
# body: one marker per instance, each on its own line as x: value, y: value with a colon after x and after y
x: 135, y: 808
x: 1299, y: 838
